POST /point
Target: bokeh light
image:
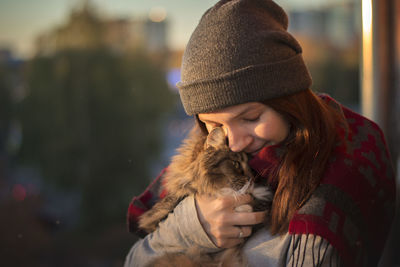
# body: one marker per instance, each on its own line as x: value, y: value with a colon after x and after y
x: 157, y: 14
x: 19, y: 192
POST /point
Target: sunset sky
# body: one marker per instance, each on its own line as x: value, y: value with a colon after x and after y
x: 22, y: 20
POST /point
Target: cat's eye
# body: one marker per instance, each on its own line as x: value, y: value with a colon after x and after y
x: 236, y: 164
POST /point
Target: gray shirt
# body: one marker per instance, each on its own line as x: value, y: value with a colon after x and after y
x: 182, y: 229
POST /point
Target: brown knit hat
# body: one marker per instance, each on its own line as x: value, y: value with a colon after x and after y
x: 240, y: 52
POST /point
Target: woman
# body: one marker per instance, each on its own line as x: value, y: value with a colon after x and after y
x: 329, y: 167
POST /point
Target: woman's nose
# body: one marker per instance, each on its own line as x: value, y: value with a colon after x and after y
x: 238, y: 141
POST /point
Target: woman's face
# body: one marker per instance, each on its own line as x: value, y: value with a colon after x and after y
x: 249, y: 127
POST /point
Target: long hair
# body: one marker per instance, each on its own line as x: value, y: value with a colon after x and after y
x: 313, y: 135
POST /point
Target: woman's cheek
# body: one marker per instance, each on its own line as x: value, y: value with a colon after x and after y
x: 261, y: 131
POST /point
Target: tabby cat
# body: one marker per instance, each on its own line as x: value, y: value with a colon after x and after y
x: 204, y: 165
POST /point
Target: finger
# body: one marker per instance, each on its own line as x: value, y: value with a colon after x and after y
x: 243, y: 199
x: 229, y: 242
x: 234, y: 201
x: 230, y: 232
x: 247, y: 218
x: 243, y: 232
x: 237, y: 236
x: 244, y: 208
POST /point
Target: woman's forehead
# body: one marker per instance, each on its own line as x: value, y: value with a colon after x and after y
x: 231, y: 112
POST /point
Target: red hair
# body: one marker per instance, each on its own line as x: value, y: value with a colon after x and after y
x: 312, y: 136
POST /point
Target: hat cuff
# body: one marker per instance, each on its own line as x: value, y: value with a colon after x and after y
x: 249, y: 84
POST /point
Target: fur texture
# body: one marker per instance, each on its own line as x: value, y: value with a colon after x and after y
x: 205, y: 165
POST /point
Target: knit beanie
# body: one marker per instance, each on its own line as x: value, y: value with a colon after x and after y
x: 240, y: 52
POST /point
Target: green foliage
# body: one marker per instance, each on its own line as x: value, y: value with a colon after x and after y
x: 6, y: 106
x: 91, y: 123
x: 337, y: 78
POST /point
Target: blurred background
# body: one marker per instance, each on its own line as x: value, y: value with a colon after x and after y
x: 89, y: 111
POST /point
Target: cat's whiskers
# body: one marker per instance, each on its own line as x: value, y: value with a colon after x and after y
x: 227, y: 191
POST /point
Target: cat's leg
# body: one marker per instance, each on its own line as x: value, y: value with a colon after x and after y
x: 150, y: 219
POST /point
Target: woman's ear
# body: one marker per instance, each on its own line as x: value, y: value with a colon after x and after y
x: 216, y: 138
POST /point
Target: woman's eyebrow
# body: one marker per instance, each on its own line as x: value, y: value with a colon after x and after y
x: 241, y: 113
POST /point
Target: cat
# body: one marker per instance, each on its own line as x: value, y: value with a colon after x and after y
x: 205, y: 165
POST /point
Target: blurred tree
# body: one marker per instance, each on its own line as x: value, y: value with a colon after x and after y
x: 91, y: 124
x: 338, y: 78
x: 6, y: 107
x: 92, y: 119
x: 334, y: 69
x: 84, y: 29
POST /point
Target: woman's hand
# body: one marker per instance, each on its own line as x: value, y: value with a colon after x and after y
x: 225, y: 226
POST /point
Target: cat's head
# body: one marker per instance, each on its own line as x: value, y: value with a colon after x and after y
x: 220, y: 167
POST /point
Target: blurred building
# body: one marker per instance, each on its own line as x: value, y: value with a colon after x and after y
x: 336, y: 23
x: 86, y: 28
x: 330, y: 36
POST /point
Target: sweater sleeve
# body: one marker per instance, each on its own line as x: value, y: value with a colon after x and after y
x: 180, y: 230
x: 264, y: 249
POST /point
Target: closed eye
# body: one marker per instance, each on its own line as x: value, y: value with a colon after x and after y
x: 251, y: 119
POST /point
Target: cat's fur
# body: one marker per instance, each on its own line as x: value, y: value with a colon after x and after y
x: 204, y: 165
x: 193, y: 257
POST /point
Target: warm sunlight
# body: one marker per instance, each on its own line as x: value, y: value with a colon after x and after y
x: 367, y: 66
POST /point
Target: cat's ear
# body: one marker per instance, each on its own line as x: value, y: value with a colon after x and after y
x: 216, y: 138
